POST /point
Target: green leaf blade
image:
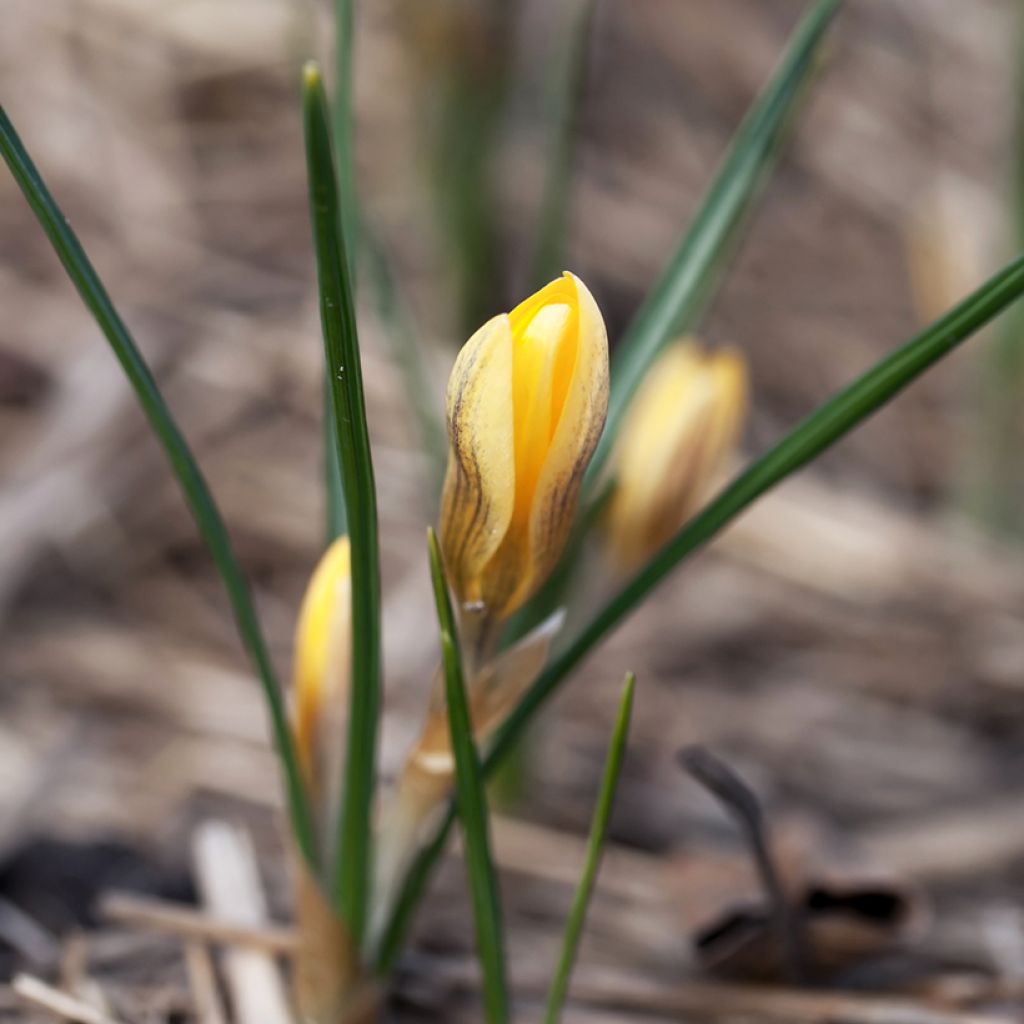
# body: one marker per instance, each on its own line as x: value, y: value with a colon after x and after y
x: 353, y: 861
x: 595, y: 849
x: 820, y: 430
x: 567, y: 95
x: 832, y: 421
x: 472, y: 804
x: 337, y: 519
x: 196, y: 492
x: 679, y: 297
x: 344, y: 23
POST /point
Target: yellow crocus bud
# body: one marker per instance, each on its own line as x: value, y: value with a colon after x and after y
x: 681, y: 427
x: 327, y: 975
x: 526, y: 404
x: 322, y: 669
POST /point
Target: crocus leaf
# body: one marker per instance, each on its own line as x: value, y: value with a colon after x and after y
x: 472, y: 804
x: 833, y: 420
x: 197, y: 494
x: 353, y: 867
x: 595, y: 848
x: 680, y: 295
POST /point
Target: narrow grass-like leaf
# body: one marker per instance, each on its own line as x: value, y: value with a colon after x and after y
x: 687, y: 283
x: 595, y: 848
x: 832, y: 421
x: 472, y: 804
x: 408, y: 355
x: 337, y: 520
x: 353, y: 857
x: 189, y: 476
x: 567, y: 93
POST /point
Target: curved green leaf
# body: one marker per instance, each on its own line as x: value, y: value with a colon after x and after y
x: 183, y: 464
x: 823, y: 428
x: 353, y: 860
x: 595, y: 848
x: 674, y: 304
x: 472, y: 804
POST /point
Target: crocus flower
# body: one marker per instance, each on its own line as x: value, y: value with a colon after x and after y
x: 526, y: 404
x: 681, y: 427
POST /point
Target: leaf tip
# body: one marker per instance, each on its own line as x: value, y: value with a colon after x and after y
x: 626, y: 702
x: 311, y: 75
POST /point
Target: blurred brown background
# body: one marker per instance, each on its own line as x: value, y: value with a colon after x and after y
x: 854, y: 646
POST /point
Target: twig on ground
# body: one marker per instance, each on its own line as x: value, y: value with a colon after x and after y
x: 617, y: 991
x: 719, y: 1002
x: 202, y: 983
x: 741, y: 801
x: 74, y: 972
x: 228, y: 876
x: 155, y: 915
x: 35, y: 991
x: 27, y: 936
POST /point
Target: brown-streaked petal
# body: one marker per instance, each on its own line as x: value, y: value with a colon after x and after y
x: 479, y: 488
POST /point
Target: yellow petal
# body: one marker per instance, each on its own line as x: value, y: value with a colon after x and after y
x: 584, y: 383
x: 681, y: 427
x: 322, y: 662
x: 479, y: 488
x: 535, y: 366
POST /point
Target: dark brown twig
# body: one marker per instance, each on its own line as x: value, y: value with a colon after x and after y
x: 740, y: 800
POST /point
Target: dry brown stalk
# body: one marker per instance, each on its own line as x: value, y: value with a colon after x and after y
x: 36, y: 991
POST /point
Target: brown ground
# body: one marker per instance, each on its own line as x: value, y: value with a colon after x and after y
x: 853, y: 648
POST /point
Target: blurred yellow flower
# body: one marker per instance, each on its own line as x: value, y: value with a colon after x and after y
x: 322, y: 667
x: 526, y: 405
x: 681, y: 427
x: 327, y: 962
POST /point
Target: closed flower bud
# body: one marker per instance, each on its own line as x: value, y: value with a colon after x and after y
x: 322, y: 671
x: 327, y: 971
x: 681, y: 427
x: 526, y: 405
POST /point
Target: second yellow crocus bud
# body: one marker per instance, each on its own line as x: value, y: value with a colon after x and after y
x: 322, y: 670
x: 526, y: 404
x: 327, y: 974
x: 681, y: 426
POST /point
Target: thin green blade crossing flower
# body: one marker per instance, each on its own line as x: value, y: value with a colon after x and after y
x: 344, y: 19
x: 186, y: 470
x: 832, y: 421
x: 353, y: 858
x: 681, y: 294
x: 472, y: 804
